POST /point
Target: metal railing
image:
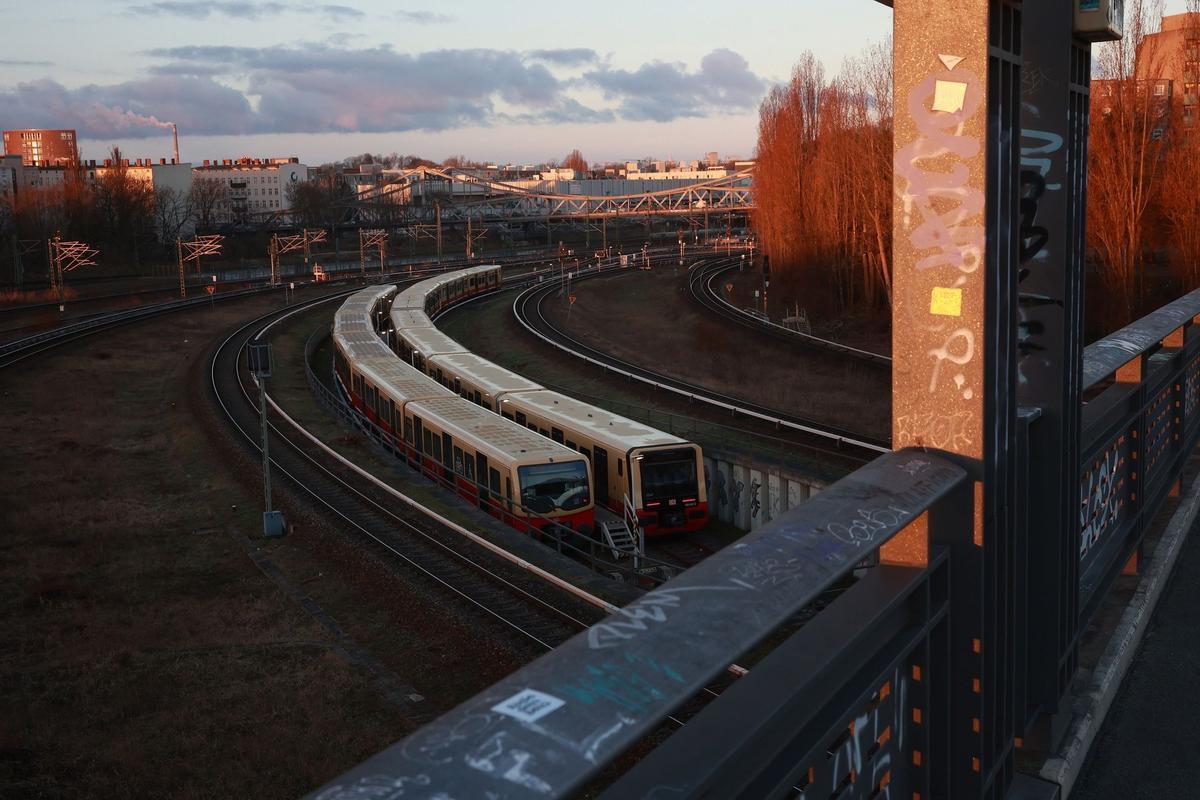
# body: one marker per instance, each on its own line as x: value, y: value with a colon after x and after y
x: 864, y: 700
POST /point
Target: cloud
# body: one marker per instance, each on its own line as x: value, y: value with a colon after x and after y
x: 425, y: 17
x: 568, y: 57
x: 130, y: 109
x: 661, y: 91
x: 16, y: 62
x: 326, y: 87
x: 242, y: 9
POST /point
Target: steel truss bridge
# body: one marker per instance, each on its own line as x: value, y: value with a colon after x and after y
x: 427, y: 195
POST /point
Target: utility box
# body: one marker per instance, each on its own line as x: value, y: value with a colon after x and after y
x: 274, y: 525
x: 1100, y: 20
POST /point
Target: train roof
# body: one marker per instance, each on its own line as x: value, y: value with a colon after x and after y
x: 492, y: 379
x: 430, y: 341
x: 489, y: 432
x: 362, y: 345
x: 355, y: 312
x: 414, y: 296
x: 401, y: 383
x: 617, y: 432
x: 404, y: 318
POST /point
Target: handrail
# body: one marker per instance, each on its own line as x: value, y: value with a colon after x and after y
x: 1105, y: 356
x: 553, y: 725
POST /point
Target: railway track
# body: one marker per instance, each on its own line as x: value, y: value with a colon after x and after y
x: 406, y: 537
x: 527, y: 307
x: 700, y: 284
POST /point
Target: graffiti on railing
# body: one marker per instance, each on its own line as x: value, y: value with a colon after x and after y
x: 1191, y: 389
x: 1103, y: 495
x: 861, y: 755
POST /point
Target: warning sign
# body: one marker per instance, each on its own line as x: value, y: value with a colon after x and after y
x: 729, y: 288
x: 571, y: 299
x: 210, y: 289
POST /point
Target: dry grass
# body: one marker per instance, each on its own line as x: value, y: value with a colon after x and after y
x: 143, y: 653
x: 649, y: 318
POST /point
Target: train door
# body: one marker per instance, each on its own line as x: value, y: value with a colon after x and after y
x: 481, y: 471
x: 600, y: 476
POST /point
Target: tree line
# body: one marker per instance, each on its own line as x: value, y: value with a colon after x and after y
x: 824, y: 188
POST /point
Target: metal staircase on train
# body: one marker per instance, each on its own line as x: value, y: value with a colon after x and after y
x: 619, y: 538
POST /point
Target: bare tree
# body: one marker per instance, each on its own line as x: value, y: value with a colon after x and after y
x: 1130, y: 114
x: 172, y: 213
x: 205, y: 197
x: 1180, y: 200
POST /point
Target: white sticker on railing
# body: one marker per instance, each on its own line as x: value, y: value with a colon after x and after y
x: 529, y: 705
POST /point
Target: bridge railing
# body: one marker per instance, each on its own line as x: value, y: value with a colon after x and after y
x: 1137, y: 430
x: 831, y: 706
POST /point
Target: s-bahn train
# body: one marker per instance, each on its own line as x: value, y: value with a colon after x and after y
x: 662, y: 475
x: 514, y: 474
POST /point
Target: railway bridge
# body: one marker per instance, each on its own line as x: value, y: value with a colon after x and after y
x: 1027, y: 470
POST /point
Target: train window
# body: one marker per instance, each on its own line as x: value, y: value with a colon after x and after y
x: 508, y: 490
x: 447, y: 444
x: 572, y: 445
x: 437, y: 448
x: 469, y: 467
x: 457, y: 386
x: 408, y: 430
x: 543, y: 432
x: 586, y: 453
x: 494, y: 480
x: 533, y: 428
x: 478, y: 399
x: 520, y: 418
x: 427, y: 441
x: 620, y: 466
x: 506, y: 415
x: 458, y: 460
x: 556, y: 435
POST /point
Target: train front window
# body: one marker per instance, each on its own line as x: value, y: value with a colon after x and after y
x: 668, y: 473
x: 554, y: 487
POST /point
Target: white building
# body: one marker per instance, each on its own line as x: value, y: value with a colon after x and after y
x: 8, y: 177
x: 255, y: 186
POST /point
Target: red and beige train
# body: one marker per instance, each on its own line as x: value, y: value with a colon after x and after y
x: 523, y: 447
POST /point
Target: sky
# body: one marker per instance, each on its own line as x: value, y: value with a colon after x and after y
x: 496, y: 80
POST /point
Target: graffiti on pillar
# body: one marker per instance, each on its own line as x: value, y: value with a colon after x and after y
x: 1038, y: 149
x: 737, y: 496
x: 755, y: 505
x: 942, y: 213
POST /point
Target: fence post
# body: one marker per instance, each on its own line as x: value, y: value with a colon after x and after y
x: 955, y: 253
x: 1054, y: 137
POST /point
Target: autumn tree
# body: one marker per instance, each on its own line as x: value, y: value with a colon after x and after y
x: 1130, y: 113
x: 575, y: 161
x: 822, y: 181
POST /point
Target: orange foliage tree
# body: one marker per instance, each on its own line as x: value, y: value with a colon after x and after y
x: 822, y: 180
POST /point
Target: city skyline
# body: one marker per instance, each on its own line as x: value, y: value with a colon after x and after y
x: 325, y: 81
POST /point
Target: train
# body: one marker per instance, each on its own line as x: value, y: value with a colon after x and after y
x: 514, y: 474
x: 659, y: 476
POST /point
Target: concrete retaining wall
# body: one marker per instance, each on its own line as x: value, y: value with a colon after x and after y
x: 746, y: 494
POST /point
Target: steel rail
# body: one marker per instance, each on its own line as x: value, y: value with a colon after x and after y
x: 700, y: 284
x: 244, y: 334
x: 536, y: 295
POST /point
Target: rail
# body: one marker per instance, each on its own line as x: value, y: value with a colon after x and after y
x: 874, y: 695
x: 700, y: 284
x: 692, y: 393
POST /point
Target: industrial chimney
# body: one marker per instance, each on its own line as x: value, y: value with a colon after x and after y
x: 175, y: 134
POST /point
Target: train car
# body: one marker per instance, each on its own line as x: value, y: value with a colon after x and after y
x: 484, y: 457
x: 436, y: 294
x: 418, y: 346
x: 662, y: 475
x: 479, y: 380
x: 513, y: 474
